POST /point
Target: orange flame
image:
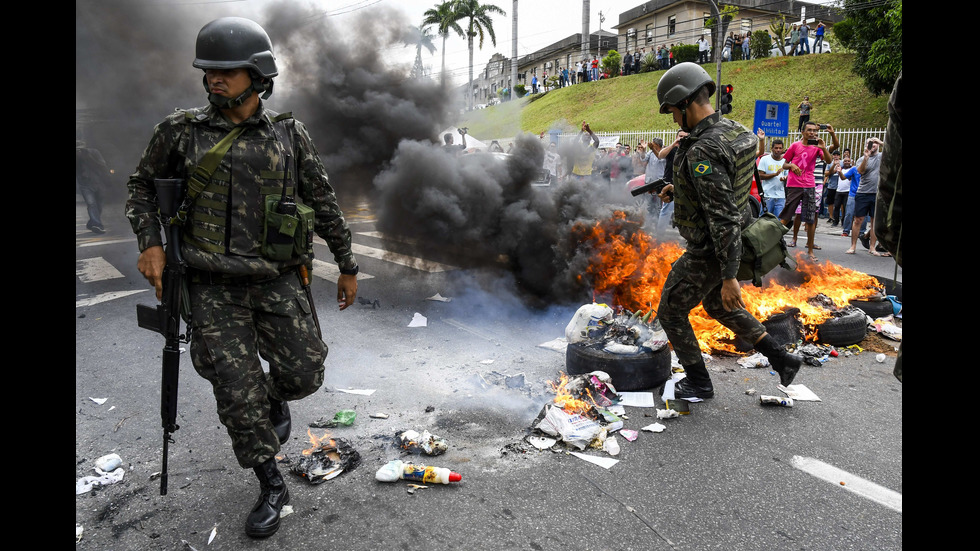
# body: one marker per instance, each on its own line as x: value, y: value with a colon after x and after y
x: 316, y: 443
x: 631, y: 267
x: 569, y: 403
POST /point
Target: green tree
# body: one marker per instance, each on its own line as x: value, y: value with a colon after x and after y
x: 611, y: 63
x: 760, y: 43
x: 478, y: 23
x: 780, y: 30
x: 423, y: 39
x: 444, y: 18
x: 874, y: 34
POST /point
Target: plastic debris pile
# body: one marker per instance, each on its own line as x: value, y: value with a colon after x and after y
x: 619, y: 331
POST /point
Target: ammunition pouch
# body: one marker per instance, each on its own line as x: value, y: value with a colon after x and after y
x: 286, y: 236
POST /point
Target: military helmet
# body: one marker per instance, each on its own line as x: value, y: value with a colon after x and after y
x: 680, y: 83
x: 234, y: 42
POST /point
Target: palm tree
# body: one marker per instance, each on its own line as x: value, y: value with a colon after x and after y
x: 444, y: 17
x: 422, y: 38
x: 478, y: 23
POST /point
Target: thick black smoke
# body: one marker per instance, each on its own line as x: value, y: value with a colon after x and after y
x: 486, y: 209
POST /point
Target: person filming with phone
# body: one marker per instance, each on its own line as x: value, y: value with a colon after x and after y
x: 800, y: 160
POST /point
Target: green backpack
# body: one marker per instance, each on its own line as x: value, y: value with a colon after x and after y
x: 763, y: 249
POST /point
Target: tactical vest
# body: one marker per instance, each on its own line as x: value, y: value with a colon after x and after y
x: 227, y: 216
x: 739, y: 146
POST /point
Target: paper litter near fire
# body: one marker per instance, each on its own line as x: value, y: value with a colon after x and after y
x: 800, y: 392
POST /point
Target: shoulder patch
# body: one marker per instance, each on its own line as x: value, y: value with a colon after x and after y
x: 701, y: 168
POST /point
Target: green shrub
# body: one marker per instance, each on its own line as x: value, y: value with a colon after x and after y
x: 685, y: 52
x: 611, y: 63
x: 521, y: 90
x: 760, y: 43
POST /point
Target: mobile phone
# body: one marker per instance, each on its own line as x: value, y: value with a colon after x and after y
x: 811, y: 142
x: 823, y: 127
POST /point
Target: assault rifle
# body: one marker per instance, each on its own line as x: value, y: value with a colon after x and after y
x: 165, y: 317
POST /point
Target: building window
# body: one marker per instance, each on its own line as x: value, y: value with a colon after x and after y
x: 671, y: 25
x: 746, y: 26
x: 649, y: 33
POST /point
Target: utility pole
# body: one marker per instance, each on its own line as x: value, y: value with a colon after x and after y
x: 513, y: 61
x: 585, y: 29
x: 719, y: 44
x: 602, y: 19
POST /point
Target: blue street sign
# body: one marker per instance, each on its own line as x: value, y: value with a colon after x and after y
x: 772, y: 117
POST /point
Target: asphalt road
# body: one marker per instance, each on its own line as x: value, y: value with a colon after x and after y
x: 732, y: 475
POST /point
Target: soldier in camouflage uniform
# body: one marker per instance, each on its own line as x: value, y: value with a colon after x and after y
x: 245, y: 302
x: 713, y: 170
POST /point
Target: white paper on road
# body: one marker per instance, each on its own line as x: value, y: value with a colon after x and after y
x: 604, y: 462
x: 558, y: 345
x: 99, y: 401
x: 418, y: 320
x: 800, y: 392
x: 439, y: 298
x: 655, y: 427
x: 637, y: 399
x: 361, y: 391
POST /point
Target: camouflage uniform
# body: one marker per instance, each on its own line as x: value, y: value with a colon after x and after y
x: 712, y: 177
x: 244, y: 306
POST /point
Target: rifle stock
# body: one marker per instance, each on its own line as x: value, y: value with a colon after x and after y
x: 165, y: 317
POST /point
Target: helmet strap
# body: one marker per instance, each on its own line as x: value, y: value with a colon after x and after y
x: 222, y: 102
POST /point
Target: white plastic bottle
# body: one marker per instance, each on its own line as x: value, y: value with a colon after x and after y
x: 399, y: 470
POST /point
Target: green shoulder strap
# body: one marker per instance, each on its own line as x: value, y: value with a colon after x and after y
x: 199, y: 179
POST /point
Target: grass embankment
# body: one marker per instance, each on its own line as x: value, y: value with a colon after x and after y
x: 624, y: 104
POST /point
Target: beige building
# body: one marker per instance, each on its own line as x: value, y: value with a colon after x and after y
x: 657, y: 22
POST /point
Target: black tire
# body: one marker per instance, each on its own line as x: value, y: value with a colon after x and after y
x: 785, y: 328
x: 851, y: 328
x: 892, y: 287
x: 628, y: 372
x: 874, y: 308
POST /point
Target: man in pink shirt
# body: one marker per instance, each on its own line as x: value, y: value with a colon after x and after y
x: 801, y: 160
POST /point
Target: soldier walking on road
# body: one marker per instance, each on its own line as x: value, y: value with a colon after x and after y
x: 246, y: 295
x: 713, y: 169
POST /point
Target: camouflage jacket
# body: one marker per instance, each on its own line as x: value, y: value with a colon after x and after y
x: 252, y: 168
x: 712, y: 179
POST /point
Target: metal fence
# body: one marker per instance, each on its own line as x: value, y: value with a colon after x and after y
x: 852, y: 138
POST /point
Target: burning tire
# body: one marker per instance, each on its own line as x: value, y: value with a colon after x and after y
x: 785, y: 327
x: 628, y: 372
x: 874, y: 308
x: 846, y: 330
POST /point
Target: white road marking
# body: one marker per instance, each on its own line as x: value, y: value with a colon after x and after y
x: 331, y: 272
x: 104, y: 297
x: 849, y: 482
x: 396, y: 258
x: 106, y: 242
x: 95, y: 269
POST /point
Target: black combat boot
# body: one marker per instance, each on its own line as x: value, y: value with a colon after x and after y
x: 279, y: 415
x: 697, y: 383
x: 263, y: 521
x: 782, y: 362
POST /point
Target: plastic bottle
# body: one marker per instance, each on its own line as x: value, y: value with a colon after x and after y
x: 776, y: 401
x: 399, y: 470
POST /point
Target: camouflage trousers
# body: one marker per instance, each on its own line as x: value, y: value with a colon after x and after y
x: 232, y: 327
x: 694, y: 280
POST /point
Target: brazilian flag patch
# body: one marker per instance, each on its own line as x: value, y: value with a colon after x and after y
x: 701, y: 168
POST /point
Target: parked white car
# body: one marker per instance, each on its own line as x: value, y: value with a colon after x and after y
x: 776, y: 51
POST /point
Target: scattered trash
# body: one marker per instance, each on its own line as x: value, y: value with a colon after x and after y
x: 751, y: 392
x: 625, y: 332
x: 637, y: 399
x: 286, y: 510
x: 611, y: 446
x: 214, y: 532
x: 378, y: 415
x: 800, y: 393
x: 344, y: 417
x: 541, y: 442
x: 668, y: 413
x: 426, y: 442
x: 327, y: 458
x: 430, y: 409
x: 880, y: 358
x: 113, y: 474
x: 655, y: 427
x: 376, y: 303
x: 439, y: 298
x: 754, y: 361
x: 775, y: 400
x: 604, y: 462
x: 486, y: 362
x: 418, y: 320
x: 99, y: 401
x: 629, y: 435
x: 361, y: 391
x: 78, y: 532
x: 399, y: 470
x: 681, y: 407
x: 188, y: 545
x: 558, y: 345
x: 572, y: 428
